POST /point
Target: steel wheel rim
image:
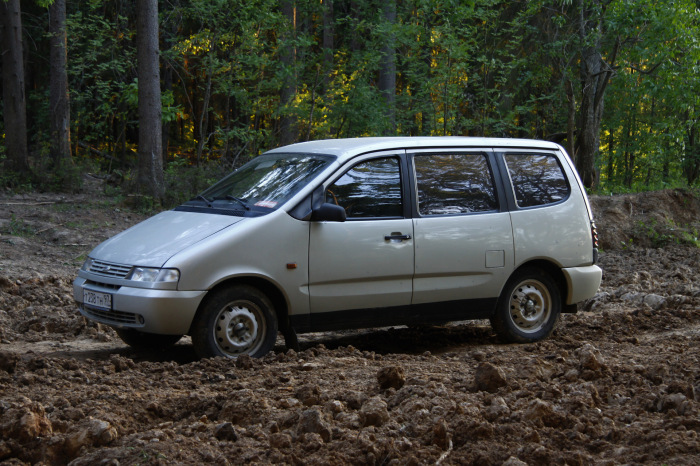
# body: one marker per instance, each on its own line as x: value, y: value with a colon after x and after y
x: 239, y: 328
x: 530, y: 306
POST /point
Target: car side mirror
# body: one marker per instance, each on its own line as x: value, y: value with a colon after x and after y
x: 328, y: 213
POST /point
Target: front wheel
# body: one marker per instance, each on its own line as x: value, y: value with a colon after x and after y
x: 235, y: 321
x: 528, y: 308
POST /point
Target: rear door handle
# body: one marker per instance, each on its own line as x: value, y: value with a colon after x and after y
x: 397, y: 236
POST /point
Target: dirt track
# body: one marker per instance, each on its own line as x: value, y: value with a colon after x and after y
x: 617, y: 383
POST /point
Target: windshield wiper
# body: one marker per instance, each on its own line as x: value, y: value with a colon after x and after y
x: 240, y: 201
x: 199, y: 197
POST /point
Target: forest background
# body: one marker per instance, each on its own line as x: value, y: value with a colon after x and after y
x: 167, y: 96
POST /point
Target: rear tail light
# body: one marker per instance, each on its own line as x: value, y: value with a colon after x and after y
x: 594, y: 238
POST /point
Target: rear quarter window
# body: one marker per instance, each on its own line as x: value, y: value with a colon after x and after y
x: 537, y: 179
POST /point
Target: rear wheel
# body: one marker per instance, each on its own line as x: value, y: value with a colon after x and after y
x: 235, y: 321
x: 143, y: 340
x: 528, y: 308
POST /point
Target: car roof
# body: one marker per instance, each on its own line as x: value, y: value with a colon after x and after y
x: 346, y: 148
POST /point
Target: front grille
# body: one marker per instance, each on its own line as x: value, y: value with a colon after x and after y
x: 108, y: 269
x: 102, y: 285
x: 111, y: 317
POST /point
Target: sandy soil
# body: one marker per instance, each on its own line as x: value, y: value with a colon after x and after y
x: 617, y: 383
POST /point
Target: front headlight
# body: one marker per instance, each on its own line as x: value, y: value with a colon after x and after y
x: 87, y: 265
x: 146, y: 274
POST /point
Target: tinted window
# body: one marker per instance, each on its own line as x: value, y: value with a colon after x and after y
x: 454, y: 184
x: 369, y: 189
x: 537, y: 179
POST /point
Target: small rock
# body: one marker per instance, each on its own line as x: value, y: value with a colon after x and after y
x: 280, y: 440
x: 312, y: 441
x: 539, y: 410
x: 489, y: 378
x: 309, y: 395
x: 25, y: 423
x: 8, y: 361
x: 374, y: 412
x: 654, y: 301
x: 244, y: 361
x: 590, y: 358
x: 513, y: 461
x: 353, y: 399
x: 335, y: 406
x: 440, y: 436
x: 311, y: 421
x: 225, y: 431
x: 498, y: 409
x: 309, y: 366
x: 675, y: 401
x: 92, y: 432
x: 391, y: 377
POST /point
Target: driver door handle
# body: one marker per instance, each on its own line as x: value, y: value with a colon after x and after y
x: 397, y: 236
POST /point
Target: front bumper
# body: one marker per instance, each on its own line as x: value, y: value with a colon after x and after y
x: 167, y: 312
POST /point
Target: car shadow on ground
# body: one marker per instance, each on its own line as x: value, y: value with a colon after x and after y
x: 436, y: 339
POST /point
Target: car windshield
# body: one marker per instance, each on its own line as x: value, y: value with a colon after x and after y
x: 264, y: 183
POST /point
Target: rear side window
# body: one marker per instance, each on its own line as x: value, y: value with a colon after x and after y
x: 370, y: 189
x: 537, y: 179
x: 454, y: 184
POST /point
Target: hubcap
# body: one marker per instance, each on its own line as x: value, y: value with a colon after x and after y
x: 237, y: 329
x: 530, y: 306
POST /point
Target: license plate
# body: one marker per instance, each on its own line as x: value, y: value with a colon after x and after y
x: 97, y: 299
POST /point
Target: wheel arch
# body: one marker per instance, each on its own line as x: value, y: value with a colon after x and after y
x: 268, y: 288
x: 551, y: 269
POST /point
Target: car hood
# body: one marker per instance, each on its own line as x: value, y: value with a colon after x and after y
x: 152, y: 242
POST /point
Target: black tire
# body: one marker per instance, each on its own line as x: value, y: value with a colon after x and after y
x: 528, y: 308
x: 234, y: 321
x: 143, y: 340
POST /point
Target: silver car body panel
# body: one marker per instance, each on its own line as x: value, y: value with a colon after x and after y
x: 155, y: 240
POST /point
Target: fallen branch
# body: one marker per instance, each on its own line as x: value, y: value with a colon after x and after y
x: 96, y: 151
x: 48, y: 228
x: 27, y: 203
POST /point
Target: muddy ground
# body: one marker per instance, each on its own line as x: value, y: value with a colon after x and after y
x: 617, y: 383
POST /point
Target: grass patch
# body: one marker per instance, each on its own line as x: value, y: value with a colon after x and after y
x: 18, y: 227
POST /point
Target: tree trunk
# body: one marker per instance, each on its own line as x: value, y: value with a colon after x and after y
x: 150, y: 159
x: 387, y: 70
x: 169, y: 40
x: 328, y: 31
x: 595, y: 74
x: 571, y: 120
x: 288, y: 90
x: 15, y: 116
x: 59, y: 103
x: 588, y: 138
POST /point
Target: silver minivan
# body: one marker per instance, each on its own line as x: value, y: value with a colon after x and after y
x: 353, y: 233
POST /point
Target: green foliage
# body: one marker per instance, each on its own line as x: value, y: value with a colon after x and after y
x: 101, y: 69
x: 476, y: 68
x: 18, y: 227
x: 662, y: 234
x: 66, y: 178
x: 653, y: 104
x: 14, y: 181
